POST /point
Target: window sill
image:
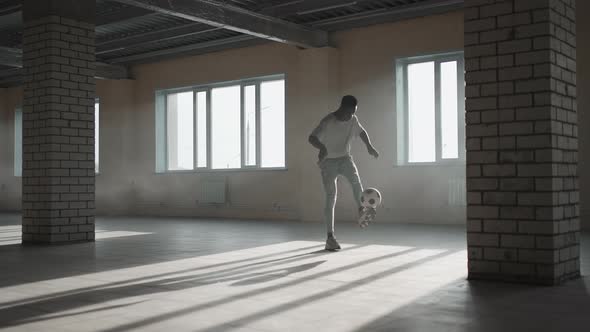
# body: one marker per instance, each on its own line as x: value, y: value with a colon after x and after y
x: 229, y: 170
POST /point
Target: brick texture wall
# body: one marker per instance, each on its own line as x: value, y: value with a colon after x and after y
x: 58, y: 130
x: 523, y: 213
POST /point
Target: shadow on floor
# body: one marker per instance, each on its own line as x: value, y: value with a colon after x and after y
x: 14, y: 313
x: 468, y: 306
x: 177, y: 238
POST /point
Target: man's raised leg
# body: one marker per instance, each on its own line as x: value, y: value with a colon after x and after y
x: 350, y: 172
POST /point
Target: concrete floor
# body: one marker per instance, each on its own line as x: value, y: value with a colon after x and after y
x: 218, y: 275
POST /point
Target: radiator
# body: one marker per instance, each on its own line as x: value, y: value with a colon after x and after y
x: 213, y: 190
x: 457, y: 192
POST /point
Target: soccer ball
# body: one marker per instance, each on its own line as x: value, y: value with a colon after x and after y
x: 371, y: 197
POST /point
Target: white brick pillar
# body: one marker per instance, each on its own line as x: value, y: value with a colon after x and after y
x: 58, y: 121
x: 523, y: 215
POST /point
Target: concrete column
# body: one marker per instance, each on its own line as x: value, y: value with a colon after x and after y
x: 522, y: 143
x: 58, y: 121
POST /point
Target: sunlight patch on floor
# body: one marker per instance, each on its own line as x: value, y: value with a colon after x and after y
x: 288, y: 286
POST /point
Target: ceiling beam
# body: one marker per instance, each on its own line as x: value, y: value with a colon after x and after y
x: 13, y: 36
x: 237, y: 19
x: 10, y: 6
x: 378, y: 16
x: 122, y: 14
x: 103, y: 71
x: 109, y: 71
x: 12, y: 57
x: 131, y: 41
x: 193, y: 49
x: 302, y: 7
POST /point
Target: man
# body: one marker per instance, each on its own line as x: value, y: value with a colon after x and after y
x: 332, y: 137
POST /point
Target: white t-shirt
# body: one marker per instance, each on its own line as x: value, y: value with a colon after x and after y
x: 336, y: 135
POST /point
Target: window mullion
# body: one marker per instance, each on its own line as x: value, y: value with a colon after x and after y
x: 208, y: 134
x: 195, y: 134
x: 242, y: 123
x: 258, y: 128
x: 437, y: 111
x: 406, y: 115
x: 166, y: 166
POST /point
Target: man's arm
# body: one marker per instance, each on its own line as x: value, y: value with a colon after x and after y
x: 365, y: 138
x: 315, y: 142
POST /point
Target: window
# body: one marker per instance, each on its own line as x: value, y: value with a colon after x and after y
x: 201, y: 129
x: 18, y: 139
x: 179, y: 130
x: 250, y: 125
x: 225, y: 127
x: 430, y: 100
x: 272, y: 124
x: 231, y: 125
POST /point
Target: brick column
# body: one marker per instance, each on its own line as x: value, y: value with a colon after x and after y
x: 523, y: 215
x: 58, y: 121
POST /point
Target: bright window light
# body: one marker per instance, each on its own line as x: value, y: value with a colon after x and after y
x: 250, y: 125
x: 421, y: 121
x: 179, y: 120
x: 225, y: 127
x: 449, y: 110
x: 272, y: 123
x: 202, y: 129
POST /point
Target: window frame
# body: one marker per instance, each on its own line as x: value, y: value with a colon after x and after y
x: 401, y: 80
x: 196, y: 126
x: 256, y: 84
x: 166, y: 157
x: 162, y: 132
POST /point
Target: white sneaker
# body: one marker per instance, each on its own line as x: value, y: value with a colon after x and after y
x: 332, y: 244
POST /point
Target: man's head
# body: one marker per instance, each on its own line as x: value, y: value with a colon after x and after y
x: 348, y: 107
